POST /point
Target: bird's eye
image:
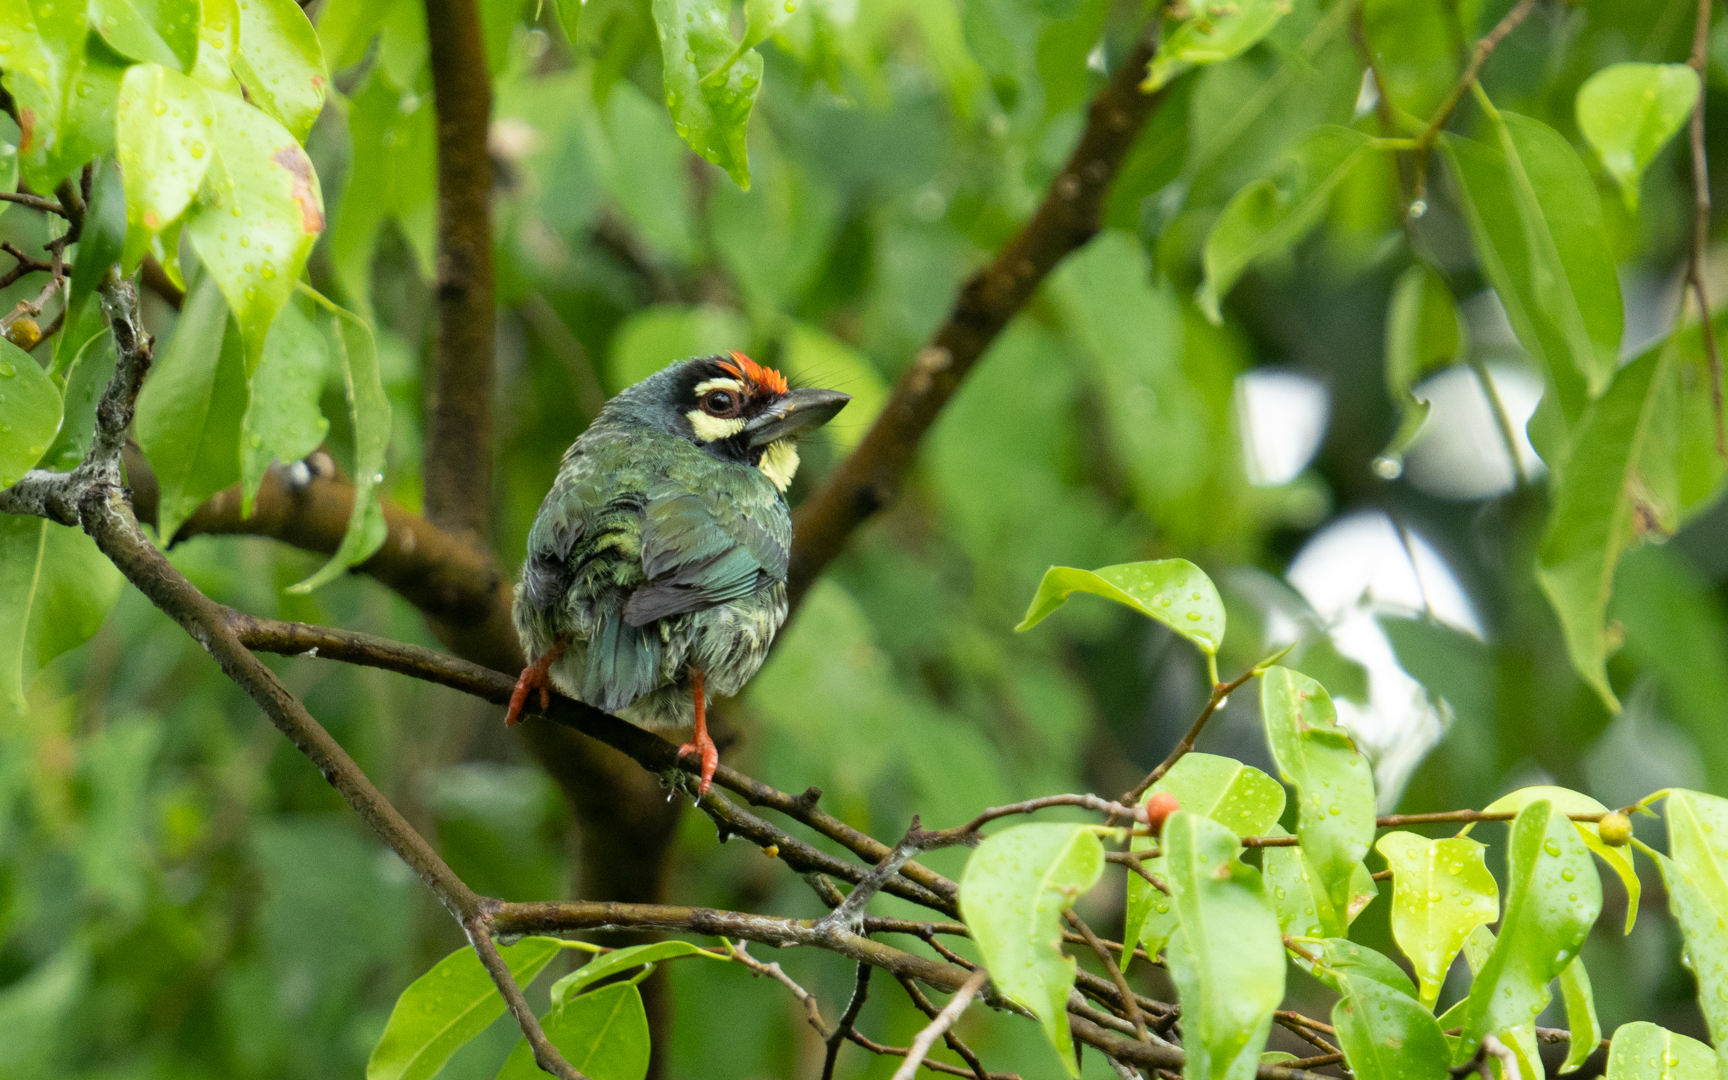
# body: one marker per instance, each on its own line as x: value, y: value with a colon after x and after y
x: 721, y: 403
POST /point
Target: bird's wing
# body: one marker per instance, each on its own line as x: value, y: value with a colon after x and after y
x: 707, y: 545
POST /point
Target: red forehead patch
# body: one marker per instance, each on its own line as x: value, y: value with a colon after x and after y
x: 765, y: 379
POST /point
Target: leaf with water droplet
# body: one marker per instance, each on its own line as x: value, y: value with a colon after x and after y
x: 1147, y: 587
x: 162, y: 175
x: 1436, y: 886
x: 283, y: 422
x: 30, y: 412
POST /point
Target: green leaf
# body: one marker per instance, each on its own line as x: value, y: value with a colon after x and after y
x: 56, y: 588
x: 1226, y: 957
x: 281, y: 63
x: 603, y: 1035
x: 282, y: 421
x: 1580, y: 1015
x: 1567, y: 801
x: 1298, y: 895
x: 155, y: 31
x: 1536, y: 224
x: 1620, y: 486
x: 1441, y: 890
x: 392, y: 177
x: 1175, y: 592
x: 1697, y: 878
x: 1334, y: 785
x: 1269, y: 217
x: 218, y: 46
x: 86, y: 379
x: 29, y: 412
x: 1386, y: 1034
x: 1646, y: 1051
x: 1552, y: 901
x: 1423, y: 334
x: 711, y: 81
x: 449, y: 1005
x: 64, y: 83
x: 1629, y: 111
x: 255, y: 240
x: 1240, y: 797
x: 1012, y: 895
x: 1216, y: 31
x: 100, y: 245
x: 356, y: 355
x: 606, y: 965
x: 165, y: 139
x: 188, y: 421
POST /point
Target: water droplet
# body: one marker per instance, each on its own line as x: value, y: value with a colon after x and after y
x: 257, y: 441
x: 790, y: 7
x: 1567, y: 874
x: 7, y: 370
x: 1418, y: 208
x: 1552, y: 847
x: 1193, y: 616
x: 160, y: 108
x: 1195, y: 596
x: 690, y: 56
x: 196, y: 150
x: 1334, y: 809
x: 266, y: 271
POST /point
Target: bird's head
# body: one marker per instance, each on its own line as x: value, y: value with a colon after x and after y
x: 734, y: 408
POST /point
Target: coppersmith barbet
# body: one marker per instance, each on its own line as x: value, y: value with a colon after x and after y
x: 656, y: 572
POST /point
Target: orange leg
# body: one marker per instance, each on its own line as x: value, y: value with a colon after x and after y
x: 535, y: 677
x: 701, y: 743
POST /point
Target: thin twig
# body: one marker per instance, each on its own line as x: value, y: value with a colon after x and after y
x: 34, y: 202
x: 545, y: 1054
x: 812, y: 1008
x: 850, y: 913
x: 943, y: 1021
x: 860, y: 992
x: 1501, y: 1052
x: 1701, y: 222
x: 1115, y: 972
x: 968, y: 833
x: 1220, y: 692
x: 923, y: 1004
x: 1484, y: 48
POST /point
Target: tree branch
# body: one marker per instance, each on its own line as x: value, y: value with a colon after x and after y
x: 940, y: 1024
x: 1068, y: 217
x: 458, y: 462
x: 860, y: 993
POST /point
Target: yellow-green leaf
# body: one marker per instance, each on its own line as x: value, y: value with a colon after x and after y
x: 1646, y: 1051
x: 1629, y: 111
x: 1173, y: 591
x: 603, y: 1035
x: 166, y: 137
x: 281, y: 63
x: 1441, y: 890
x: 29, y: 412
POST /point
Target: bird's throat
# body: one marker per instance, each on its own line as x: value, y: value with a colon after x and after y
x: 779, y: 462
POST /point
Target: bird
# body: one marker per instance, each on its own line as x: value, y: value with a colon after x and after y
x: 655, y: 576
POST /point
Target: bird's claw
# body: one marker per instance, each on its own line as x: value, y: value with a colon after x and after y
x: 710, y: 754
x: 533, y: 677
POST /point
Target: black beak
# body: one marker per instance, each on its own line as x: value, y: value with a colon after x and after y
x: 795, y: 413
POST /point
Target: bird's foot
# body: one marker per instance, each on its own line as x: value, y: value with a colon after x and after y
x: 710, y: 754
x: 536, y: 676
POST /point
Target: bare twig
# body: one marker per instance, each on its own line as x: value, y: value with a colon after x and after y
x: 1701, y: 222
x: 1068, y: 216
x: 943, y: 1021
x: 1129, y: 1006
x: 953, y: 1042
x: 545, y: 1054
x: 1220, y: 692
x: 812, y: 1008
x: 1498, y: 1050
x: 860, y: 993
x: 850, y: 913
x: 1484, y: 48
x: 34, y: 202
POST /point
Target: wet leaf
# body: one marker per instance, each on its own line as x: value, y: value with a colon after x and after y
x: 1013, y: 893
x: 603, y: 1035
x: 1629, y: 111
x: 29, y: 412
x: 711, y: 81
x: 1175, y: 592
x: 56, y: 588
x: 1334, y: 785
x: 64, y: 84
x: 1697, y: 880
x: 1645, y: 1051
x: 1441, y: 891
x: 155, y: 31
x: 165, y: 139
x: 609, y: 964
x: 449, y: 1005
x: 1385, y: 1033
x: 1581, y: 1019
x: 280, y: 62
x: 1568, y: 801
x: 100, y: 246
x: 1217, y: 31
x: 1552, y: 901
x: 1226, y: 957
x: 283, y: 421
x: 1423, y: 334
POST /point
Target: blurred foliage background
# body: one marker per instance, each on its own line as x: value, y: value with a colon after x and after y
x: 182, y: 896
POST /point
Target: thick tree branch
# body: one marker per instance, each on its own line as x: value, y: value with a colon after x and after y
x: 458, y: 464
x: 1068, y: 217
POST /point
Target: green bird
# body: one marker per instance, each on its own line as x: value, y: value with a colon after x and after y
x: 656, y: 571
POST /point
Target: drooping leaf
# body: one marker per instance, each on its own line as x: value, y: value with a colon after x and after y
x: 1536, y: 224
x: 603, y: 1035
x: 1567, y: 801
x: 1175, y: 592
x: 1553, y: 898
x: 1441, y: 890
x: 1226, y: 957
x: 64, y: 84
x: 155, y: 31
x: 188, y: 421
x: 1696, y: 874
x: 1385, y: 1033
x: 29, y: 412
x: 1269, y: 217
x: 449, y: 1005
x: 711, y: 81
x: 1013, y: 893
x: 281, y: 63
x: 1334, y: 785
x: 254, y: 240
x: 1423, y: 334
x: 1646, y: 1051
x: 282, y: 421
x: 356, y: 355
x: 165, y: 139
x: 56, y: 588
x: 1581, y: 1019
x: 608, y: 964
x: 1240, y: 797
x: 1629, y: 111
x: 1619, y: 487
x: 1216, y: 31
